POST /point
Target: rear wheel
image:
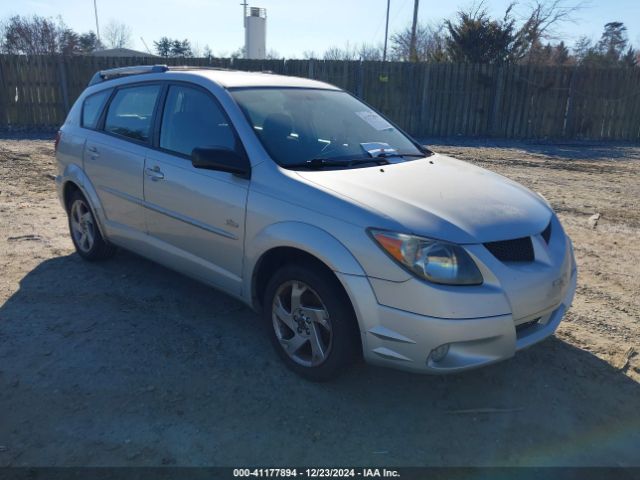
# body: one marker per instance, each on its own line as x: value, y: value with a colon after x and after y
x: 85, y: 233
x: 310, y: 322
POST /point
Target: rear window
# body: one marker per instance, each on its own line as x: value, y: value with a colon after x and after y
x: 92, y: 107
x: 130, y: 113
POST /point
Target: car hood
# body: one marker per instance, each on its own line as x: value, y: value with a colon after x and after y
x: 441, y: 197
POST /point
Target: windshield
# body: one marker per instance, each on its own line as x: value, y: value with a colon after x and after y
x: 298, y: 125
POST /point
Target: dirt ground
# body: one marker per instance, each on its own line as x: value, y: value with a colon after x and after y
x: 127, y: 363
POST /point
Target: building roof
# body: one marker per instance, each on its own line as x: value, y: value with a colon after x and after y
x: 122, y: 52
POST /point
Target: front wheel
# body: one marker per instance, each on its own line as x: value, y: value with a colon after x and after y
x: 310, y: 321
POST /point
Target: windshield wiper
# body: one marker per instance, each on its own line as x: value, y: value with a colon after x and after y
x: 320, y: 163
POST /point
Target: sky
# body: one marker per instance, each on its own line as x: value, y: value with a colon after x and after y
x: 294, y: 26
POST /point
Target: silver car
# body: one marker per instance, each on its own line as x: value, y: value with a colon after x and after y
x: 349, y: 237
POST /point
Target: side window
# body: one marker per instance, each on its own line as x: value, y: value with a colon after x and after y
x: 193, y: 119
x: 92, y: 107
x: 130, y: 113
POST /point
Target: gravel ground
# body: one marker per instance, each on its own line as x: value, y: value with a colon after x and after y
x: 127, y: 363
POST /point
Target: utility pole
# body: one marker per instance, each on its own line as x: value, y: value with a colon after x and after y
x: 95, y: 9
x: 244, y: 13
x: 244, y: 23
x: 413, y: 55
x: 386, y: 33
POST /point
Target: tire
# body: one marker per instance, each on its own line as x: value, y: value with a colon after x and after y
x: 84, y: 231
x: 317, y: 336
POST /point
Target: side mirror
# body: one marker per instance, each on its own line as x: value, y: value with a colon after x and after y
x: 222, y: 159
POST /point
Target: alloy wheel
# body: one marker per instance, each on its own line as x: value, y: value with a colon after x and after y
x: 302, y: 324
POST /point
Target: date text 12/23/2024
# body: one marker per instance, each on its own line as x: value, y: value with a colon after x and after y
x: 315, y: 473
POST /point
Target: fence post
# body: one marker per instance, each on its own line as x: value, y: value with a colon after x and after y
x: 311, y: 67
x: 426, y: 71
x: 4, y: 111
x: 360, y: 87
x: 568, y: 112
x: 62, y: 75
x: 497, y: 99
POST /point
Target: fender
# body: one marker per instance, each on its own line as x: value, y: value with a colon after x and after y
x: 73, y: 173
x: 303, y: 236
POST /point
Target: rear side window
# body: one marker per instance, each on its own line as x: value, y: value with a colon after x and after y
x: 193, y: 119
x: 92, y: 107
x: 130, y: 113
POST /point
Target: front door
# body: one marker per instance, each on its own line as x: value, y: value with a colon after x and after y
x: 198, y: 213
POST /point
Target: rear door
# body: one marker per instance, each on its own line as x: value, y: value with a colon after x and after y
x: 115, y: 152
x: 199, y: 213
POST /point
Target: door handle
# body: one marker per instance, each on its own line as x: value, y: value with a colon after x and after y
x: 154, y: 173
x: 93, y: 152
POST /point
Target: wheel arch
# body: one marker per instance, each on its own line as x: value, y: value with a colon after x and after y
x: 75, y: 179
x: 290, y: 242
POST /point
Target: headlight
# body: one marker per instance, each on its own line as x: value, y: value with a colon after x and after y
x: 433, y: 260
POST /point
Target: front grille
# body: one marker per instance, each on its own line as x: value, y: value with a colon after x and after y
x: 517, y: 250
x: 546, y: 233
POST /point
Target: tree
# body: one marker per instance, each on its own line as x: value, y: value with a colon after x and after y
x: 117, y: 35
x: 540, y: 23
x: 476, y: 38
x: 368, y: 52
x: 181, y: 48
x: 88, y: 42
x: 69, y: 42
x: 163, y: 46
x: 629, y: 59
x: 33, y: 35
x: 206, y: 52
x: 561, y: 54
x: 613, y: 41
x: 612, y: 49
x: 583, y: 49
x: 238, y: 53
x: 349, y: 52
x: 430, y: 44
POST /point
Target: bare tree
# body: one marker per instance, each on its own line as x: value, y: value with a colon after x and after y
x: 349, y: 52
x: 117, y: 35
x: 430, y: 44
x: 540, y: 22
x: 196, y: 51
x: 368, y: 52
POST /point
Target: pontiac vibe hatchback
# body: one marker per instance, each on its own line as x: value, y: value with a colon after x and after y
x: 349, y: 237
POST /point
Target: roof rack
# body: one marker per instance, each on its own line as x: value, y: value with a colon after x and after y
x: 112, y: 73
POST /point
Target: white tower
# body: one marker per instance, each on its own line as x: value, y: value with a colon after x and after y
x: 255, y: 34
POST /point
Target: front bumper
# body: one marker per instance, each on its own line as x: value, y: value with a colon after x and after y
x: 404, y: 340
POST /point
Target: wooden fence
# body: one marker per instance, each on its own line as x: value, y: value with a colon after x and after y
x: 427, y: 100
